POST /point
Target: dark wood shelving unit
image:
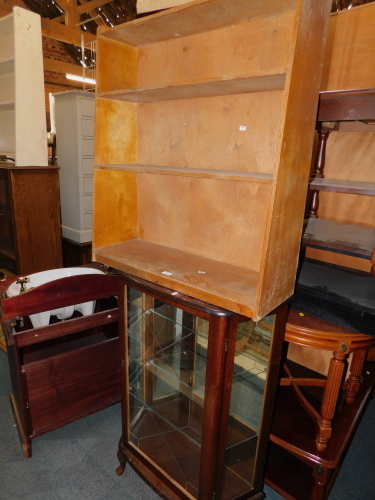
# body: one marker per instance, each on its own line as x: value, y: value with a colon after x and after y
x: 336, y: 107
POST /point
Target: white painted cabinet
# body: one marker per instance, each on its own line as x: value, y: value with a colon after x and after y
x: 23, y: 131
x: 75, y: 119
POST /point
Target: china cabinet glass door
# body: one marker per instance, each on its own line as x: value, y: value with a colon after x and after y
x: 167, y: 371
x: 195, y: 385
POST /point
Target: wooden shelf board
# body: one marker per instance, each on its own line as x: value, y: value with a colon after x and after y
x: 347, y: 105
x: 215, y: 87
x: 256, y: 177
x: 225, y: 285
x: 343, y: 186
x: 7, y: 165
x: 7, y: 105
x: 193, y: 18
x: 6, y: 66
x: 349, y: 239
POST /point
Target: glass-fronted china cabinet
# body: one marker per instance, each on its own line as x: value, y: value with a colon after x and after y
x: 198, y: 384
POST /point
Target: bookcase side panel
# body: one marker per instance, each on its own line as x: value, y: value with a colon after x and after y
x: 234, y: 133
x: 115, y: 207
x: 256, y: 47
x: 221, y: 220
x: 280, y: 254
x: 115, y: 132
x: 117, y: 65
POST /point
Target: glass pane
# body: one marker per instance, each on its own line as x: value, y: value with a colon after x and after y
x: 167, y: 369
x: 248, y: 383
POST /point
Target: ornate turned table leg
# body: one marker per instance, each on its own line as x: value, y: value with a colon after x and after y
x: 331, y: 393
x: 320, y: 475
x: 353, y: 381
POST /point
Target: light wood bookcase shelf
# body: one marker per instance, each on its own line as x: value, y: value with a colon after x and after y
x: 204, y: 125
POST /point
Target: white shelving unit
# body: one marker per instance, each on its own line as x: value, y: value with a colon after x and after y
x: 23, y: 133
x: 75, y: 119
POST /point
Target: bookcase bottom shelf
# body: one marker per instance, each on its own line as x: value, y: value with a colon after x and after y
x: 225, y: 285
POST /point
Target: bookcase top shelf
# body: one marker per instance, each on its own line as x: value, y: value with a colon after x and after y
x: 195, y: 17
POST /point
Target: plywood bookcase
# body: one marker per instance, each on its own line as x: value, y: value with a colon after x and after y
x: 204, y: 125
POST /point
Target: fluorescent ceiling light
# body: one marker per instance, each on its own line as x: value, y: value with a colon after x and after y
x: 80, y: 79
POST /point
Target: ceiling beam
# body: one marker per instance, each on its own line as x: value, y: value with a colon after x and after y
x: 63, y: 33
x: 61, y: 67
x: 81, y: 9
x: 94, y: 16
x: 71, y: 16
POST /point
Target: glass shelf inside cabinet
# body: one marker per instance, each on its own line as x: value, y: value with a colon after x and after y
x: 167, y: 367
x: 167, y: 352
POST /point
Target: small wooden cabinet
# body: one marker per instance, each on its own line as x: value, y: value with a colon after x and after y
x: 30, y: 230
x: 204, y: 125
x: 68, y: 368
x: 198, y: 385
